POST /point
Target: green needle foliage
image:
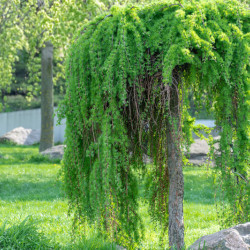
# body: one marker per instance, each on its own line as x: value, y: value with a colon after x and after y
x: 120, y: 68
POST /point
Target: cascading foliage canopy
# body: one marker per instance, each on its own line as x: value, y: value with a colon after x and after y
x: 120, y: 68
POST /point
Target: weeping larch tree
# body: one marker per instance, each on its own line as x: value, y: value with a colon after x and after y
x: 129, y: 74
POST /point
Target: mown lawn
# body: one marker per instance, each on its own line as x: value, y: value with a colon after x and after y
x: 30, y: 185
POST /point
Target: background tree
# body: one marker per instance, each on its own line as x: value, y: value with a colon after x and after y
x: 29, y: 25
x: 47, y: 103
x: 56, y: 22
x: 53, y: 21
x: 128, y: 74
x: 12, y: 39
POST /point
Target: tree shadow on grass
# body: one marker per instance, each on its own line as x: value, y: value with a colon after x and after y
x: 14, y: 190
x: 13, y: 158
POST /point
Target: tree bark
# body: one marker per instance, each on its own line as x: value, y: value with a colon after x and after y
x: 176, y: 181
x: 47, y: 102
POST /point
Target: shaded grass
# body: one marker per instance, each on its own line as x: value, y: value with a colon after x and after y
x: 30, y: 185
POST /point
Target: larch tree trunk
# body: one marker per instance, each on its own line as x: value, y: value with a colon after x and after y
x: 176, y: 181
x: 47, y: 101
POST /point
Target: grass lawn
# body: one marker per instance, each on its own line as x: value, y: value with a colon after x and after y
x: 30, y: 185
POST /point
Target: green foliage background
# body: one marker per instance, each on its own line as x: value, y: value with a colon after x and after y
x: 25, y: 26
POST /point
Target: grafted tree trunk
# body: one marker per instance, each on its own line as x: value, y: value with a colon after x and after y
x: 47, y: 102
x: 176, y: 181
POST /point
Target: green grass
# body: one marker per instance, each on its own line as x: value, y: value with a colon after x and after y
x: 30, y: 186
x: 23, y: 236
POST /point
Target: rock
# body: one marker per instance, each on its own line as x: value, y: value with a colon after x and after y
x: 147, y: 159
x: 244, y: 231
x: 199, y: 148
x: 55, y: 152
x: 120, y: 247
x: 233, y: 238
x: 22, y: 136
x: 198, y: 152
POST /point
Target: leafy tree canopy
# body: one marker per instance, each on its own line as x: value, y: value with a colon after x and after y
x: 119, y: 71
x: 11, y: 38
x: 27, y: 24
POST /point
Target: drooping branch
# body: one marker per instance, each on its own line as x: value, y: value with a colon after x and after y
x: 127, y: 81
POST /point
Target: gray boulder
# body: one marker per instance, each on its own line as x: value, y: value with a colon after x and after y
x: 199, y: 148
x: 147, y: 159
x: 120, y: 247
x: 22, y: 136
x: 55, y: 152
x: 237, y: 237
x: 198, y: 152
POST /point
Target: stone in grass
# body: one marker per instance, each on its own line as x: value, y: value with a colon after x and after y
x: 237, y: 237
x: 22, y: 136
x: 199, y: 151
x: 199, y: 148
x: 55, y: 152
x: 120, y: 247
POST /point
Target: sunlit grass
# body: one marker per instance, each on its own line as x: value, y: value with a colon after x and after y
x: 30, y: 186
x: 199, y: 207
